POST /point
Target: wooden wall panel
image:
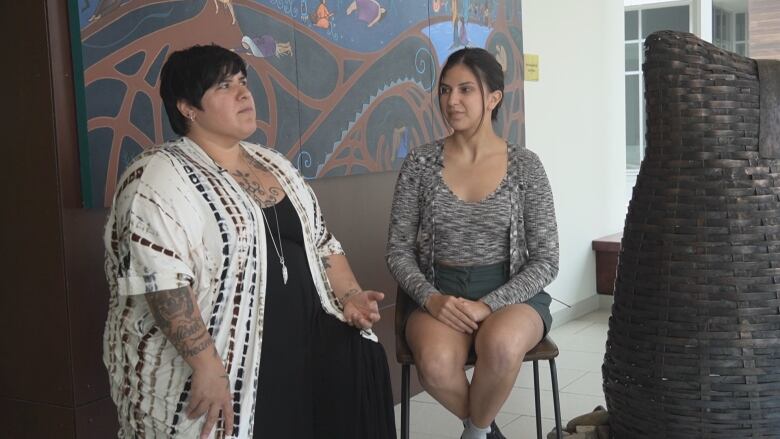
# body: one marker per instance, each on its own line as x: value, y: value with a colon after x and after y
x: 360, y: 222
x: 357, y: 211
x: 32, y: 420
x: 35, y: 355
x: 97, y: 420
x: 87, y: 301
x: 764, y: 28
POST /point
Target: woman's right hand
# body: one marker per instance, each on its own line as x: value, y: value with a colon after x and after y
x: 209, y: 395
x: 445, y: 309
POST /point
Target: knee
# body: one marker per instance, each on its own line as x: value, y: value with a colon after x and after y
x: 437, y: 368
x: 500, y: 356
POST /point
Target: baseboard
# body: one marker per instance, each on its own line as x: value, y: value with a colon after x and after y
x: 579, y: 309
x: 606, y: 301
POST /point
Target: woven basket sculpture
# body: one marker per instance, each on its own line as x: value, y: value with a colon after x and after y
x: 693, y: 347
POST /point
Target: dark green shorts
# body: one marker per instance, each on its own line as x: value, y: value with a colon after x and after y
x: 475, y: 282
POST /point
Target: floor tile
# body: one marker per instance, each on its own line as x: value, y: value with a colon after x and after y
x: 598, y: 316
x: 592, y: 338
x: 433, y: 420
x: 569, y: 328
x: 595, y: 330
x: 524, y: 427
x: 589, y: 384
x: 429, y: 418
x: 571, y: 404
x: 569, y: 359
x: 424, y: 397
x: 525, y: 379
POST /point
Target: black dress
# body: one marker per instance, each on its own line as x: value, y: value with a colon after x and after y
x: 319, y: 378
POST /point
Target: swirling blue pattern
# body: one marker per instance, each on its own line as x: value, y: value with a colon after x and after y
x: 421, y: 65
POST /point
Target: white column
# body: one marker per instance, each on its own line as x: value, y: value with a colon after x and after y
x: 704, y: 17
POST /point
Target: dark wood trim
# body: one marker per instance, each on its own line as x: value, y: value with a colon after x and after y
x: 63, y: 93
x: 607, y: 249
x: 36, y: 363
x: 609, y: 243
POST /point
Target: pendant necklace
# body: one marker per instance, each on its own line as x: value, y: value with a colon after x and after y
x: 279, y: 250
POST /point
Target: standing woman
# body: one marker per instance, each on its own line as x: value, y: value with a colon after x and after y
x: 233, y: 311
x: 473, y: 241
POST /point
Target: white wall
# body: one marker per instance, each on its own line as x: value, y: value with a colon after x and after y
x: 575, y: 122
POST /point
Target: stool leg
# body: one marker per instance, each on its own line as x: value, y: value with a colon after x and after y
x: 537, y: 401
x: 405, y: 401
x: 556, y: 401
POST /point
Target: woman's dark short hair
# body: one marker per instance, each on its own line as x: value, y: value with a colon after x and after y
x: 188, y: 73
x: 483, y: 65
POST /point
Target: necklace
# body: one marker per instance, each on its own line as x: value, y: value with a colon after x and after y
x: 279, y: 250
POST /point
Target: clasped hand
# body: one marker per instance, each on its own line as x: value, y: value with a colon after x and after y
x: 462, y: 315
x: 362, y: 310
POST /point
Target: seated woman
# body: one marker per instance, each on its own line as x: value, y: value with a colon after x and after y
x: 473, y: 241
x: 228, y: 293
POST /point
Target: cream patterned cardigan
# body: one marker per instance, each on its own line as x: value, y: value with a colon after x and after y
x: 179, y: 219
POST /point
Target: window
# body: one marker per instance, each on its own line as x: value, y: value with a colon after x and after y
x: 639, y: 23
x: 729, y: 25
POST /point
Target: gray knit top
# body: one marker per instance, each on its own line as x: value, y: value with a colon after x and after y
x: 532, y: 235
x: 472, y: 233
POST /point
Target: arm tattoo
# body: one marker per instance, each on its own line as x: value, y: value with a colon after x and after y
x: 168, y: 305
x: 326, y: 261
x: 352, y: 292
x: 174, y: 312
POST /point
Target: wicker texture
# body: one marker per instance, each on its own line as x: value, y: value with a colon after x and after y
x: 693, y: 347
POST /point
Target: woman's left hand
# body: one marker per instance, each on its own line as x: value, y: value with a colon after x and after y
x: 362, y: 310
x: 476, y: 310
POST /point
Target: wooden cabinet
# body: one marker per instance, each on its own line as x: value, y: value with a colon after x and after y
x: 607, y: 249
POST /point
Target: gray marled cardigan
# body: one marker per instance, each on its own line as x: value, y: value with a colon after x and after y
x: 533, y: 233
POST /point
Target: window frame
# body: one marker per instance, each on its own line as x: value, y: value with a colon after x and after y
x: 639, y: 6
x: 732, y: 42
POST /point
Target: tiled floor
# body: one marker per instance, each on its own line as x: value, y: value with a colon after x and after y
x: 581, y: 343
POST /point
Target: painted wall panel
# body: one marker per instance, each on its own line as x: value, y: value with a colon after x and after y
x: 342, y: 87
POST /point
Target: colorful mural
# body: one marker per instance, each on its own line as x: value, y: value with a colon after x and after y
x: 342, y: 87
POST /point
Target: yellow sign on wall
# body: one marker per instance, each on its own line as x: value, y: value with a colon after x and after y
x: 531, y: 63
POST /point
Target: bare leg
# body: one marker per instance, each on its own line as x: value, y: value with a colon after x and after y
x: 440, y: 354
x: 501, y: 344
